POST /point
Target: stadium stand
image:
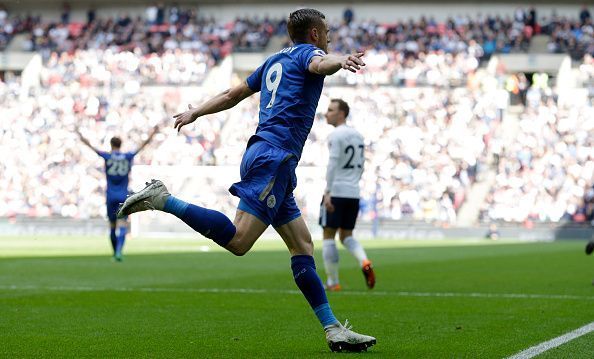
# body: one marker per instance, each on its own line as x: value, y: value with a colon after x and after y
x: 433, y: 113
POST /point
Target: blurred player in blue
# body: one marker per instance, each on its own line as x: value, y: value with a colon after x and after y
x: 290, y: 83
x: 117, y: 170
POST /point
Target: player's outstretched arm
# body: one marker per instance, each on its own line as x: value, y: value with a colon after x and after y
x: 84, y: 140
x: 221, y: 102
x: 330, y: 64
x: 148, y: 140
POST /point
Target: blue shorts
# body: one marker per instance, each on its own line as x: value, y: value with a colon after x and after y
x: 113, y: 203
x: 267, y: 183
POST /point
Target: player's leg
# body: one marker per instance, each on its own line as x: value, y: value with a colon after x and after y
x: 118, y: 227
x: 155, y: 196
x: 356, y: 249
x: 121, y: 229
x: 331, y: 258
x: 352, y: 245
x: 248, y: 229
x: 259, y: 166
x: 238, y: 236
x: 112, y: 235
x: 350, y: 210
x: 329, y: 251
x: 298, y: 240
x: 112, y: 208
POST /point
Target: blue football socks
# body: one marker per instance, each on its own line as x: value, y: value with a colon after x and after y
x: 308, y: 281
x: 120, y: 239
x: 113, y: 239
x: 211, y: 224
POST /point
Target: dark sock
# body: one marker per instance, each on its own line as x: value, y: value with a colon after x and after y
x: 211, y: 224
x: 308, y: 281
x: 113, y: 239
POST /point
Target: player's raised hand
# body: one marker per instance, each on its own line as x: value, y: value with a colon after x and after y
x: 353, y: 62
x: 184, y: 118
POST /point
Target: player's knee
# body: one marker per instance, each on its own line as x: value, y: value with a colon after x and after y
x: 307, y: 245
x: 344, y: 234
x: 238, y: 250
x: 329, y: 232
x: 238, y: 245
x: 307, y: 239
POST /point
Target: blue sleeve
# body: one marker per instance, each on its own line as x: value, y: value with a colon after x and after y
x: 104, y: 155
x: 130, y: 155
x: 254, y: 81
x: 305, y: 56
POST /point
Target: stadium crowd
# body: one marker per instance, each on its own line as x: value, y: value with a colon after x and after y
x: 176, y: 45
x: 165, y: 28
x: 91, y: 68
x: 426, y: 145
x: 430, y: 166
x: 170, y: 27
x: 545, y: 173
x: 184, y: 30
x: 46, y: 171
x: 572, y: 36
x: 480, y: 36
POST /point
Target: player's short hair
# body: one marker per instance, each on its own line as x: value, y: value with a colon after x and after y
x: 300, y: 21
x: 342, y: 106
x: 115, y: 142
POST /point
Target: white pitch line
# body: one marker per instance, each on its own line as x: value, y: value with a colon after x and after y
x: 290, y: 291
x: 553, y: 343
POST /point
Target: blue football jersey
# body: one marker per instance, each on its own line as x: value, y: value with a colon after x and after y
x: 289, y: 96
x: 117, y: 169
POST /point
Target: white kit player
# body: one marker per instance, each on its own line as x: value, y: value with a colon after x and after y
x: 340, y: 204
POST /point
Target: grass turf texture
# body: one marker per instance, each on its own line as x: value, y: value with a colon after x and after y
x: 57, y: 300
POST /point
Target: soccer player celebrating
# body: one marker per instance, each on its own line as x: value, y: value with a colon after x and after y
x: 340, y: 204
x: 290, y: 83
x: 117, y: 170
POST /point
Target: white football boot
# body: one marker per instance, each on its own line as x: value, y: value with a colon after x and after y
x: 151, y: 197
x: 341, y: 338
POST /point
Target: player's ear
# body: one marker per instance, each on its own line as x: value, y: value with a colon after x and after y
x: 314, y: 33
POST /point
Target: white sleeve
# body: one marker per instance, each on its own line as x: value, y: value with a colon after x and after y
x: 334, y: 149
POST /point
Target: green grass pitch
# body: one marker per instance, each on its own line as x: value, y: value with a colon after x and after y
x: 64, y: 297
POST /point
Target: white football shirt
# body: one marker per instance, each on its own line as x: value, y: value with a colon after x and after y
x: 345, y: 166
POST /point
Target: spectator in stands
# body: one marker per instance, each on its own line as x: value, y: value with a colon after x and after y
x: 348, y: 15
x: 91, y: 15
x: 65, y: 16
x: 585, y: 16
